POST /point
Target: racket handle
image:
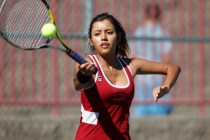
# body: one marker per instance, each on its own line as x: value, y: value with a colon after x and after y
x: 79, y: 59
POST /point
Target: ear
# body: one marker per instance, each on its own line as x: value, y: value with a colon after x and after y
x: 90, y: 41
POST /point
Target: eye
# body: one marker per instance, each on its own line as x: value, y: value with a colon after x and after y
x: 96, y: 34
x: 110, y: 32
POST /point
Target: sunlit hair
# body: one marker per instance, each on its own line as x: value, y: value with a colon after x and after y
x: 122, y: 48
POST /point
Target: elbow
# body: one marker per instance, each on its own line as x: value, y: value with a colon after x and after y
x: 178, y: 68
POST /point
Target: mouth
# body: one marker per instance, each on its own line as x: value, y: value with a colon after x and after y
x: 105, y: 45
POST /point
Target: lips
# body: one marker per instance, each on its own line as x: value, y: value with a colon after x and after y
x: 105, y: 45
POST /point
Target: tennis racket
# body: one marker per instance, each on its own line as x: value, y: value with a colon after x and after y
x: 21, y: 22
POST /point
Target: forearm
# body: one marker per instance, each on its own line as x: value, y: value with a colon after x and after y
x: 81, y: 81
x: 83, y: 75
x: 172, y: 75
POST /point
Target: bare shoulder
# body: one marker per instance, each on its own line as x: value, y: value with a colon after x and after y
x: 134, y: 64
x: 127, y: 60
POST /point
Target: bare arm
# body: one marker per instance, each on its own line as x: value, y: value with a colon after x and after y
x: 172, y: 73
x: 141, y: 66
x: 86, y: 69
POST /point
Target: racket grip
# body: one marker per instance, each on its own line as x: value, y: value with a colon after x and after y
x: 79, y: 59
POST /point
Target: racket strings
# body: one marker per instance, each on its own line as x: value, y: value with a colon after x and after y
x: 24, y: 22
x: 16, y: 32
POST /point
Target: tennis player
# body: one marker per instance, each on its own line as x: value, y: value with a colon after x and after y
x: 107, y: 95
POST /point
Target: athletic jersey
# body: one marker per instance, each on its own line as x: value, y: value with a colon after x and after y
x: 105, y: 107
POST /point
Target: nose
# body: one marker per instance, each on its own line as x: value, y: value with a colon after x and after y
x: 103, y: 36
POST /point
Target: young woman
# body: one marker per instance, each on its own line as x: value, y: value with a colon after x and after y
x: 107, y: 95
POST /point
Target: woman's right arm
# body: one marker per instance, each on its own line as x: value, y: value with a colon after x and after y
x: 83, y: 75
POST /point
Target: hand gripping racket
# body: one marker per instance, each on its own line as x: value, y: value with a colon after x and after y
x: 21, y: 22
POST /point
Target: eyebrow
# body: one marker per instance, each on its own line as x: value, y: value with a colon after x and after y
x: 105, y: 30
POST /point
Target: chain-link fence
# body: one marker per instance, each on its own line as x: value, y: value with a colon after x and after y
x: 44, y: 77
x: 34, y: 83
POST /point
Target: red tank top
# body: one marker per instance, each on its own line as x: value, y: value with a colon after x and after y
x: 105, y: 107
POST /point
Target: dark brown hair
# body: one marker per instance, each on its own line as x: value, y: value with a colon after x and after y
x: 122, y: 48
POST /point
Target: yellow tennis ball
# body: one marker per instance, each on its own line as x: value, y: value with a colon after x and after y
x: 48, y: 30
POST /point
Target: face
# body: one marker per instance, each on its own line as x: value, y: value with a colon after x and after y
x: 103, y: 37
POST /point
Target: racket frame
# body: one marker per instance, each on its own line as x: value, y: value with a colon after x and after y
x: 74, y: 55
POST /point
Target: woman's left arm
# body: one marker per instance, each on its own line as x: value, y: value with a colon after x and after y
x: 142, y: 66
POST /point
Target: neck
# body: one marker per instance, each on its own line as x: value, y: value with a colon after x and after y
x: 108, y: 62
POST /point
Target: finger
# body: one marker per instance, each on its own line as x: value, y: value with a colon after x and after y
x: 156, y: 99
x: 93, y: 69
x: 82, y: 66
x: 159, y: 92
x: 88, y: 67
x: 155, y: 94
